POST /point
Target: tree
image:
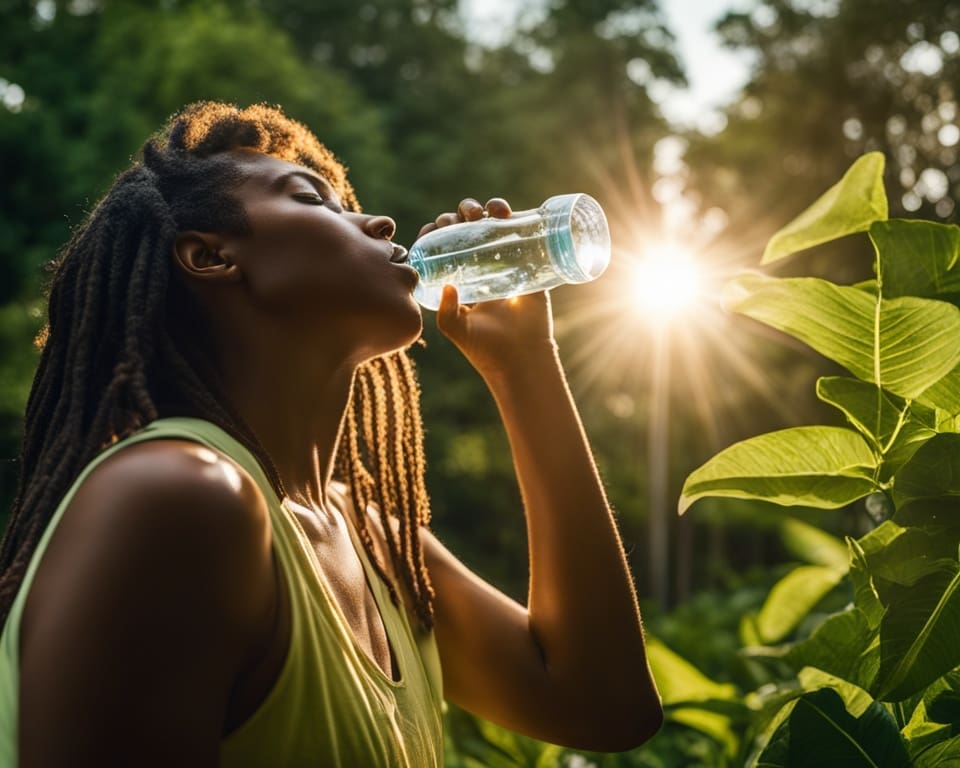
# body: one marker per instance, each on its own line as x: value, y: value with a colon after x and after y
x: 831, y: 80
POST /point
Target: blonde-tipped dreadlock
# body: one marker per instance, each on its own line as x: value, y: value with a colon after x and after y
x: 382, y: 460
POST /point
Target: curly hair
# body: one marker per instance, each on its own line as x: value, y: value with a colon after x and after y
x: 125, y: 344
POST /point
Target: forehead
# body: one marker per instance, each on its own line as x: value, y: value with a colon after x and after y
x: 260, y: 171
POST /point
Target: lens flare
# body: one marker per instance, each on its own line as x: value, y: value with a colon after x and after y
x: 666, y: 282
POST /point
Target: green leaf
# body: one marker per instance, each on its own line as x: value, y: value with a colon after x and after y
x: 917, y: 258
x: 868, y: 408
x: 946, y: 754
x: 914, y: 338
x: 813, y: 545
x: 921, y: 733
x: 920, y: 728
x: 679, y: 682
x: 919, y: 635
x: 897, y: 555
x: 824, y: 467
x: 844, y: 645
x: 892, y: 426
x: 851, y: 205
x: 932, y: 472
x: 747, y: 631
x: 821, y: 733
x: 947, y: 420
x: 937, y: 515
x: 855, y: 699
x: 945, y: 708
x: 865, y: 597
x: 793, y: 597
x: 944, y: 395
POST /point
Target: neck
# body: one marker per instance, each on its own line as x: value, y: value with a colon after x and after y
x: 295, y: 411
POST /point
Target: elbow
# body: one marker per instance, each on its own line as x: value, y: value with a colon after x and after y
x: 637, y: 731
x: 622, y: 728
x: 646, y: 728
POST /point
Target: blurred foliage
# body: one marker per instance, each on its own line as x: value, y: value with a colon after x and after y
x: 833, y: 79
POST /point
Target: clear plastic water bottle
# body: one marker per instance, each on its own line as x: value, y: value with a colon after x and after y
x: 565, y: 240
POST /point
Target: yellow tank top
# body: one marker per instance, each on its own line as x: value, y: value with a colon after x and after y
x: 331, y: 704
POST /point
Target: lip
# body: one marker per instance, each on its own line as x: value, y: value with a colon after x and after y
x: 399, y: 254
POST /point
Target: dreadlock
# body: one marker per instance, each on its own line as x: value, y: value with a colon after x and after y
x: 125, y: 344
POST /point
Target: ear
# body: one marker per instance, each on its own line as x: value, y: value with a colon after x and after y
x: 205, y: 256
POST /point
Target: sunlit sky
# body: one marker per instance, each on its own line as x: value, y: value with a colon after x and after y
x: 715, y: 75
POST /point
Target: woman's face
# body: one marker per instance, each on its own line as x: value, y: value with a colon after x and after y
x: 328, y: 269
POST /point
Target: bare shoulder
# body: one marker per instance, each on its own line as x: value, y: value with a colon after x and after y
x: 163, y: 511
x: 156, y: 589
x: 175, y: 506
x: 181, y: 477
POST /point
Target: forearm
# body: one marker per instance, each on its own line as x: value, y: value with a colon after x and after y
x: 582, y: 604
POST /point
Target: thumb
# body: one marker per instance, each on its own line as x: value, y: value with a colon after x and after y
x: 448, y: 313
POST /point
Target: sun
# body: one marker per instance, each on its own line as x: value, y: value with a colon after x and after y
x: 666, y: 283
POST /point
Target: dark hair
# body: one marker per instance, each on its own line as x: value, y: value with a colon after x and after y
x: 116, y: 354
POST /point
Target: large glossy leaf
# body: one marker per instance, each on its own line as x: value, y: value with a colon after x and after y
x: 917, y: 258
x: 825, y: 467
x: 906, y: 347
x: 918, y: 635
x: 793, y: 597
x: 821, y: 733
x: 851, y: 205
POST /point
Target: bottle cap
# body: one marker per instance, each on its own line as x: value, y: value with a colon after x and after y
x: 578, y: 237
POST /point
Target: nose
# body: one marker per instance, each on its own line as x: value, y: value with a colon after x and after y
x: 380, y: 227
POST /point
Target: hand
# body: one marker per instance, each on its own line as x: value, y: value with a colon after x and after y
x: 497, y: 337
x: 470, y: 210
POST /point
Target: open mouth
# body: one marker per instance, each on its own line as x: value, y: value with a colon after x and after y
x: 399, y: 255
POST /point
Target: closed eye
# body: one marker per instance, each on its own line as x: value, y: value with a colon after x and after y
x: 313, y: 197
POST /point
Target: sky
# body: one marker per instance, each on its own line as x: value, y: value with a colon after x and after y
x: 715, y: 75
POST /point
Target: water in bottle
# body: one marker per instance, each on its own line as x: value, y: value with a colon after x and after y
x: 565, y: 240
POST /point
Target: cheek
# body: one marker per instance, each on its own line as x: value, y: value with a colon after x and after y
x: 296, y: 262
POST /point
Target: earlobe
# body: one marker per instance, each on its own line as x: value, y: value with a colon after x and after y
x: 204, y: 256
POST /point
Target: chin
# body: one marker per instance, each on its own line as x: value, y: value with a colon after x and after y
x: 415, y: 320
x: 396, y: 330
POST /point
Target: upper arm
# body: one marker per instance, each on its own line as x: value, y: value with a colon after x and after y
x: 147, y: 603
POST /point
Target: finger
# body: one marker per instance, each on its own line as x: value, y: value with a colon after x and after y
x: 449, y: 310
x: 498, y: 208
x: 470, y: 209
x: 446, y: 219
x: 426, y: 228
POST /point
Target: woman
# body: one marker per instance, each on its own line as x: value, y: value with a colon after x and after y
x: 219, y: 552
